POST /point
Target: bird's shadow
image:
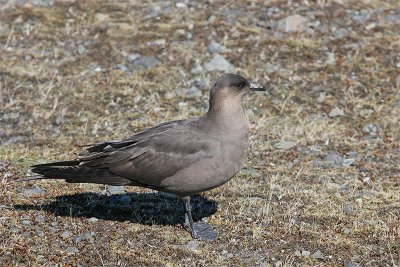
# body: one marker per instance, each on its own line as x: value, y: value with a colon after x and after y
x: 143, y: 208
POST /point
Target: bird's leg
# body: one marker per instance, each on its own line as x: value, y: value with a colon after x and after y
x: 188, y: 216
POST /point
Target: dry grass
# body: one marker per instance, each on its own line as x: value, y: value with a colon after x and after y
x: 61, y: 86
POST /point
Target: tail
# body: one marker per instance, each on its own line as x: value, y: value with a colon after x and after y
x: 72, y: 172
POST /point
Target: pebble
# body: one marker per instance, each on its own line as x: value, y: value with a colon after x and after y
x: 219, y: 63
x: 116, y: 190
x: 72, y: 250
x: 192, y: 91
x: 93, y: 219
x: 349, y: 263
x: 26, y: 222
x: 33, y: 191
x: 285, y: 145
x: 371, y: 129
x: 334, y: 159
x: 84, y: 236
x: 192, y: 245
x: 272, y: 68
x: 40, y: 218
x: 66, y: 234
x: 305, y: 253
x: 348, y: 209
x: 317, y: 255
x: 293, y: 23
x: 336, y: 112
x: 144, y: 63
x: 216, y: 48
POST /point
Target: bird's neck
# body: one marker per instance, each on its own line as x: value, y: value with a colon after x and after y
x: 228, y: 114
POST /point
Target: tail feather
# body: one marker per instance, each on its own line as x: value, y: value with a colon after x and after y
x: 72, y: 172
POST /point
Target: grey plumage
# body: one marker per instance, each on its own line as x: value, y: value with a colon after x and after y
x: 182, y: 157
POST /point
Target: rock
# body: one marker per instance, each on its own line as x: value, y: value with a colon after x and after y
x: 84, y: 236
x: 347, y: 231
x: 81, y: 49
x: 317, y: 255
x: 305, y: 253
x: 66, y: 234
x: 285, y: 145
x: 293, y: 23
x: 216, y: 48
x: 371, y: 129
x: 321, y: 97
x: 144, y: 63
x: 192, y: 245
x: 331, y: 58
x: 219, y: 63
x: 349, y: 263
x: 40, y: 218
x: 26, y: 222
x: 272, y: 68
x: 334, y: 159
x: 297, y: 253
x: 33, y: 191
x: 72, y: 250
x: 116, y: 190
x: 15, y: 139
x: 192, y: 91
x: 340, y: 33
x: 197, y: 69
x: 251, y: 172
x: 348, y: 162
x: 336, y: 112
x: 93, y: 219
x: 348, y: 209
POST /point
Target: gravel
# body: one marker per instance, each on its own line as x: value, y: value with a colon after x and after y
x: 218, y: 62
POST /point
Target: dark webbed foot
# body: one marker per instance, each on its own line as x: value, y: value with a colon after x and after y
x: 199, y: 230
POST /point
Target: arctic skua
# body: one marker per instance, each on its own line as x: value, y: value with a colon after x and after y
x: 182, y: 157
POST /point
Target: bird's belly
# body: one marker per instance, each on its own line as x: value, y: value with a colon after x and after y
x: 205, y: 175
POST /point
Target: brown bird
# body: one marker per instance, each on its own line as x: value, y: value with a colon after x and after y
x: 182, y: 157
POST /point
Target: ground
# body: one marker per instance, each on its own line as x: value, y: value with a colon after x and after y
x: 321, y: 184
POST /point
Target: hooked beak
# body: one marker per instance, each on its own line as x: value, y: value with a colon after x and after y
x: 256, y: 87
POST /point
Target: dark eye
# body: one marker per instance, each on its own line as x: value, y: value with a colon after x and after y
x: 239, y: 85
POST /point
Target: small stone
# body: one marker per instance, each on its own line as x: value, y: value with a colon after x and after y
x: 72, y: 250
x: 371, y: 129
x: 285, y: 145
x: 81, y: 49
x: 349, y: 263
x: 334, y: 159
x: 219, y: 63
x: 293, y: 23
x: 370, y: 26
x: 216, y: 48
x: 93, y: 219
x: 197, y: 69
x: 347, y: 231
x: 348, y: 209
x: 305, y: 253
x: 317, y: 255
x: 116, y: 190
x: 59, y: 120
x: 192, y: 245
x: 348, y: 162
x: 192, y: 91
x: 145, y: 62
x: 331, y: 58
x: 39, y: 218
x: 340, y: 33
x: 14, y: 229
x: 321, y: 97
x: 297, y: 253
x: 33, y: 191
x: 26, y: 222
x: 66, y: 234
x: 336, y: 112
x: 272, y: 68
x: 84, y: 236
